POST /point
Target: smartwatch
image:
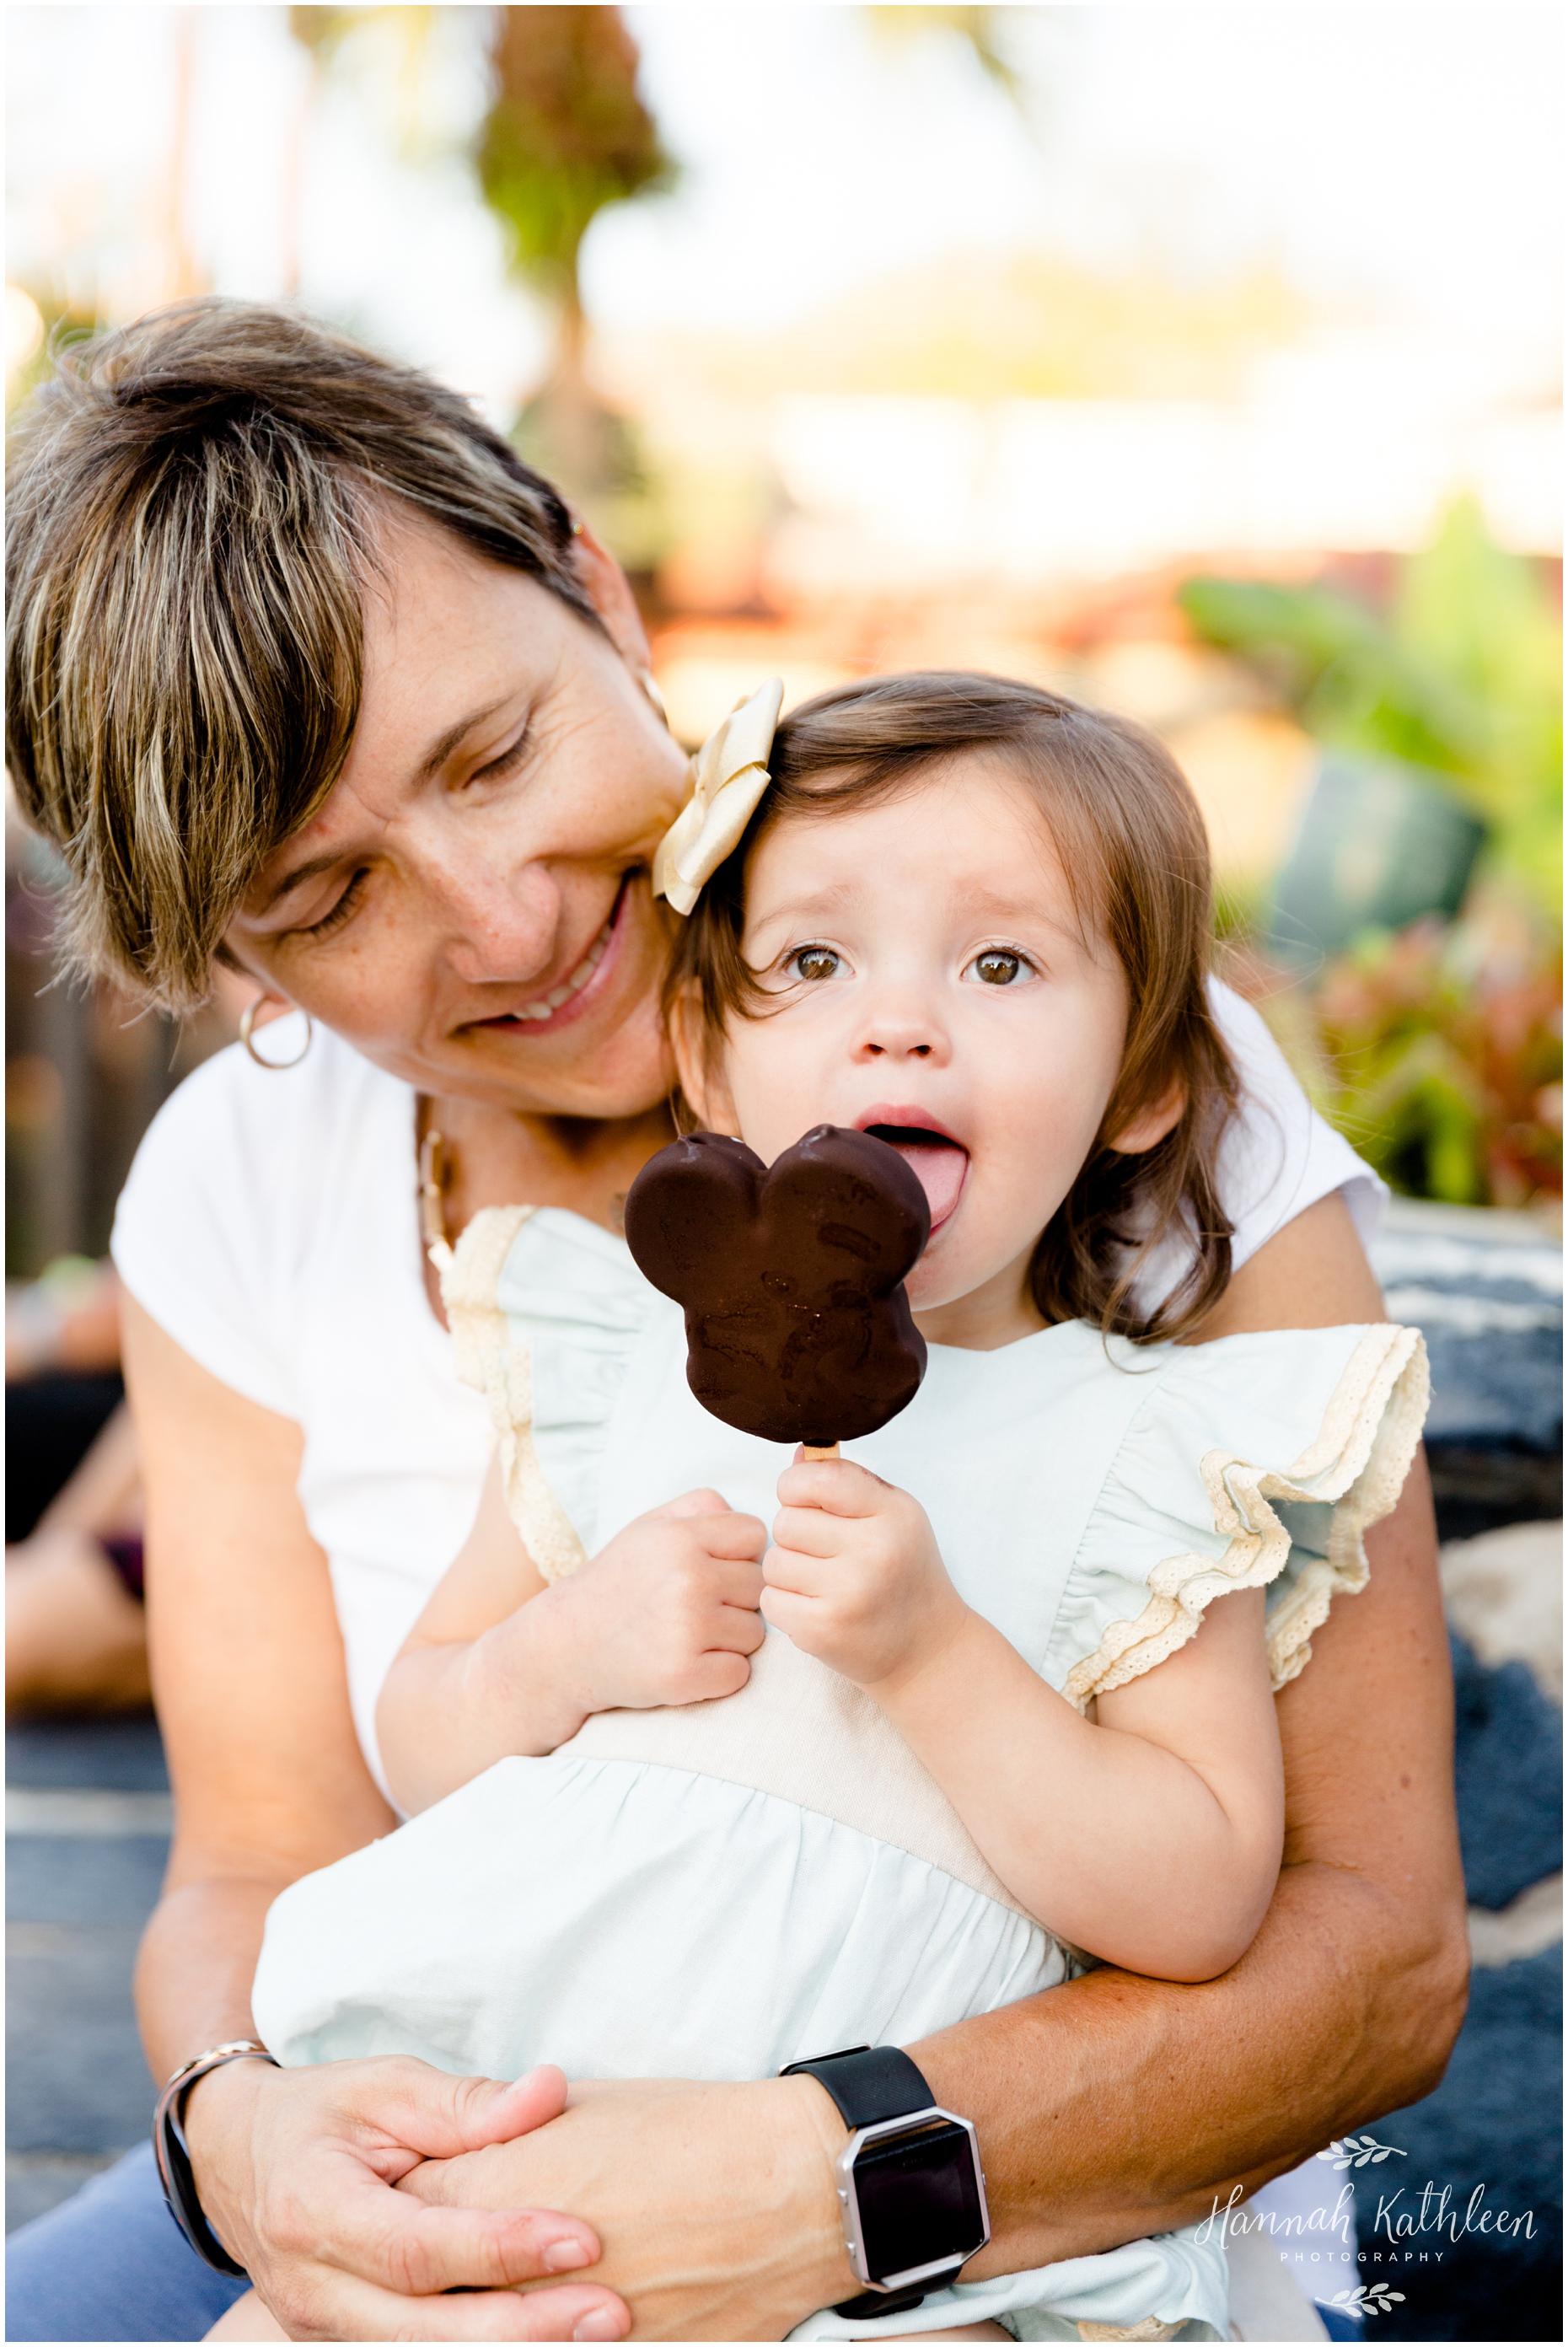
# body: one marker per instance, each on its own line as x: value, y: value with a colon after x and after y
x: 909, y: 2180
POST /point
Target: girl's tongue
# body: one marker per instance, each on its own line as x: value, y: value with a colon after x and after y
x: 940, y: 1164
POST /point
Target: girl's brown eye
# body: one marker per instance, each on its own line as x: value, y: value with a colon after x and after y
x: 998, y: 968
x: 814, y: 962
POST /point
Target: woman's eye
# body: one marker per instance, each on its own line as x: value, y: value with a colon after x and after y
x: 998, y: 966
x: 504, y: 762
x: 339, y: 913
x: 812, y: 962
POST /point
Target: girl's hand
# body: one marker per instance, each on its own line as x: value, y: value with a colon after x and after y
x: 296, y: 2170
x: 667, y: 1611
x: 854, y: 1575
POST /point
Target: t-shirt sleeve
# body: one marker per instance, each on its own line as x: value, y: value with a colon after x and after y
x: 1279, y: 1156
x: 202, y: 1219
x: 1257, y: 1461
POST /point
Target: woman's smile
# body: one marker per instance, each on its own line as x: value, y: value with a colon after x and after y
x: 576, y: 993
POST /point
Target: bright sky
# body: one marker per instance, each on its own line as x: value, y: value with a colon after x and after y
x: 1397, y: 158
x: 1409, y: 152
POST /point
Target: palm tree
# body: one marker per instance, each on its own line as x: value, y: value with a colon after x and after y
x: 566, y: 135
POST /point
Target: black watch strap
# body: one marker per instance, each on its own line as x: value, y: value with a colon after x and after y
x: 868, y: 2083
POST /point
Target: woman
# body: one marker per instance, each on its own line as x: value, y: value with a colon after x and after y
x: 309, y: 673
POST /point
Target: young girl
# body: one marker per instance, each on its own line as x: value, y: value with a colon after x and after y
x: 722, y: 1760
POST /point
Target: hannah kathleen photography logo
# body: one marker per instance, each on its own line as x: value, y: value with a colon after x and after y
x: 1408, y: 2226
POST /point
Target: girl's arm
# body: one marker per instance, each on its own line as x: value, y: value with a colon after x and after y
x: 1152, y: 1837
x: 502, y: 1663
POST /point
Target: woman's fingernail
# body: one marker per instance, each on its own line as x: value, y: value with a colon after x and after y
x: 562, y: 2256
x: 602, y: 2325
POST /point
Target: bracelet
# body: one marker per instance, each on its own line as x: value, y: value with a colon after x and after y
x: 172, y: 2153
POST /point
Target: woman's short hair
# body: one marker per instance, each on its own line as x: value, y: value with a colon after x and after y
x: 1132, y: 844
x: 189, y: 536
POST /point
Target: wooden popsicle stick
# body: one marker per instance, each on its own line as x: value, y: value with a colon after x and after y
x: 810, y: 1451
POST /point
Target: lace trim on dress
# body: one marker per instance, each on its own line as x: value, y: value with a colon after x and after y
x: 1359, y: 1460
x: 492, y: 1359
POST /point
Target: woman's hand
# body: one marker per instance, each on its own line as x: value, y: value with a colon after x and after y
x: 294, y: 2169
x: 716, y: 2204
x: 854, y: 1575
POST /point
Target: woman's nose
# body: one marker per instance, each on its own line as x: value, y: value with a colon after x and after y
x: 500, y: 928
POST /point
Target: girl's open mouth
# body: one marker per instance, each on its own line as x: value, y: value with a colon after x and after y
x: 940, y: 1162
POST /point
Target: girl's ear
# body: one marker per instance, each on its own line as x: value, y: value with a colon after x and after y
x: 698, y: 1067
x: 1152, y: 1124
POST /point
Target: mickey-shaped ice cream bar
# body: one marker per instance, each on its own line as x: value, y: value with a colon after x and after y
x: 791, y: 1278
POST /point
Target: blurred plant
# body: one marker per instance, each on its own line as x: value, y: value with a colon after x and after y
x: 979, y: 29
x: 37, y: 328
x: 403, y: 37
x: 566, y: 135
x: 1438, y: 1054
x: 1462, y: 676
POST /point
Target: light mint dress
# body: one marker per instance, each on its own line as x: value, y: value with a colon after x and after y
x: 715, y: 1891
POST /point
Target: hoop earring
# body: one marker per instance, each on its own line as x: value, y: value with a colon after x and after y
x: 247, y: 1023
x: 646, y: 680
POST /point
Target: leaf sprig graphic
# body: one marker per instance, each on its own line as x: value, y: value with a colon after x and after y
x: 1362, y: 2301
x: 1360, y: 2151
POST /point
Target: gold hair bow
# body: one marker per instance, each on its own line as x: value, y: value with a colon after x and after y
x: 729, y: 775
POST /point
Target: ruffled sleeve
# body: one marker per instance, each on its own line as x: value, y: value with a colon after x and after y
x: 544, y: 1311
x: 1257, y: 1460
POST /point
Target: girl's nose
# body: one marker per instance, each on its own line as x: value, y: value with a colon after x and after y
x: 898, y: 1031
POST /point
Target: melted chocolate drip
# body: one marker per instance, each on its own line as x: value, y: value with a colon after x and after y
x: 791, y: 1278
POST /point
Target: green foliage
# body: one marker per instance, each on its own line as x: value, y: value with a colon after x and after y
x: 566, y: 135
x: 1438, y: 1055
x: 1460, y: 676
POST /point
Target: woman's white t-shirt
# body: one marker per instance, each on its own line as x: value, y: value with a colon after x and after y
x: 269, y: 1226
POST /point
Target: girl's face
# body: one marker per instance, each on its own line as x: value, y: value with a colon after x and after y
x: 470, y: 907
x: 931, y: 984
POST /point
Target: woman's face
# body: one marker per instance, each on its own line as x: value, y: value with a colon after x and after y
x: 470, y: 907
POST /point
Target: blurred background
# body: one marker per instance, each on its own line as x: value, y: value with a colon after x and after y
x: 1202, y: 361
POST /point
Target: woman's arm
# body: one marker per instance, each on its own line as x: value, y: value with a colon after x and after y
x: 500, y: 1662
x: 1113, y: 2107
x: 295, y: 2167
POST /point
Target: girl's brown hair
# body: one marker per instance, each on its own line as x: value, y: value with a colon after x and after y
x: 191, y: 530
x: 1132, y: 846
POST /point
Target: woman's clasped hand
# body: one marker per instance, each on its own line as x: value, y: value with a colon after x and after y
x: 293, y: 2169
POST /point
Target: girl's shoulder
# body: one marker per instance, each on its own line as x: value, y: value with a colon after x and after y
x: 546, y: 1311
x: 1255, y: 1461
x: 535, y: 1268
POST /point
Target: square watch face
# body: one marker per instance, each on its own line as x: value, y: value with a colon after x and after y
x: 918, y: 2199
